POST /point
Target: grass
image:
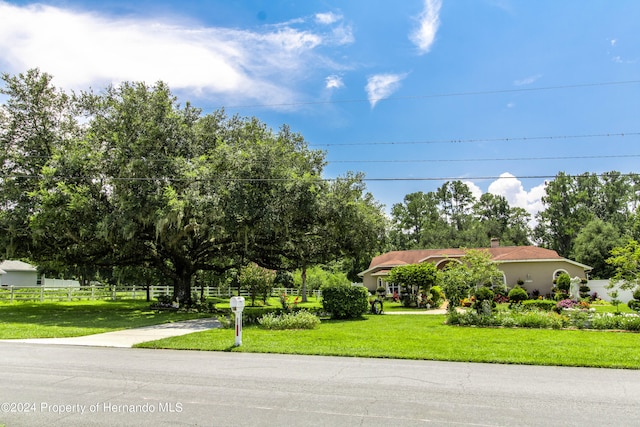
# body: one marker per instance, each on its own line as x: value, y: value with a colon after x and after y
x: 427, y: 338
x: 70, y: 319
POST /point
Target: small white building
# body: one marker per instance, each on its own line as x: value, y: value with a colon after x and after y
x: 19, y: 274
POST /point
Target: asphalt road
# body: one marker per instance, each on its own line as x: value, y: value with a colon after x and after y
x: 53, y: 385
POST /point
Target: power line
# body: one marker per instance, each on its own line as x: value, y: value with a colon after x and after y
x: 438, y: 95
x: 488, y: 159
x: 446, y: 141
x: 258, y: 179
x: 475, y: 140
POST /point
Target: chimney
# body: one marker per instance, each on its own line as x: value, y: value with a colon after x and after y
x: 495, y: 242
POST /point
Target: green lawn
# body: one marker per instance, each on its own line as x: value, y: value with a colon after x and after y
x: 70, y: 319
x: 426, y: 337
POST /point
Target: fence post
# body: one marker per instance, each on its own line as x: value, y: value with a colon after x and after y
x: 113, y: 292
x: 134, y: 292
x: 42, y: 293
x: 69, y: 293
x: 11, y: 294
x: 93, y: 290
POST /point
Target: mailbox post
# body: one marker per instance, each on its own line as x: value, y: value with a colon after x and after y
x: 237, y: 306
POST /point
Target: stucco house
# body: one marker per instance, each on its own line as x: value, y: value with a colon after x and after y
x: 18, y: 273
x: 536, y: 267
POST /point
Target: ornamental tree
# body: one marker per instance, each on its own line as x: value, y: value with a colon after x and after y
x: 414, y: 278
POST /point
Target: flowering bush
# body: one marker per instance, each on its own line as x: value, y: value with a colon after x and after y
x: 284, y: 300
x: 565, y: 304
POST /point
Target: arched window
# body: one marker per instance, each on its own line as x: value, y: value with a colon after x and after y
x: 559, y: 272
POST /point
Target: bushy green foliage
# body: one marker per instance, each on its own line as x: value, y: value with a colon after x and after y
x: 345, y: 301
x: 517, y: 295
x: 317, y: 277
x: 539, y: 304
x: 298, y: 320
x: 414, y: 278
x: 475, y: 269
x: 522, y: 319
x: 436, y: 296
x: 630, y: 322
x: 257, y: 281
x: 483, y: 300
x: 563, y: 282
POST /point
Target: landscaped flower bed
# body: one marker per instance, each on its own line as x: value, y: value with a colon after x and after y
x: 569, y: 316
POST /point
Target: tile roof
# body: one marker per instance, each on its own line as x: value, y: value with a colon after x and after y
x: 501, y: 253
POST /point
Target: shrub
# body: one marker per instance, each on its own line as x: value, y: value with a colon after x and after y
x: 584, y: 291
x: 345, y: 301
x: 607, y: 321
x: 298, y: 320
x: 483, y: 294
x: 517, y: 295
x: 634, y: 305
x: 539, y: 304
x: 563, y: 282
x: 436, y: 296
x: 534, y: 319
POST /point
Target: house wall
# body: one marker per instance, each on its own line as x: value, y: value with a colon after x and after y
x: 19, y: 278
x: 538, y: 275
x: 370, y: 282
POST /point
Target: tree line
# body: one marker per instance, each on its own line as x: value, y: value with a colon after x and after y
x: 584, y: 218
x: 129, y: 184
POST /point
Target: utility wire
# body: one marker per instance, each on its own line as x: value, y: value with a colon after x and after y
x: 437, y: 95
x: 504, y: 159
x: 230, y: 180
x: 451, y: 141
x: 474, y: 140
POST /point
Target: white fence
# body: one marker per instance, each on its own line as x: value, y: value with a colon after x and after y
x: 94, y: 292
x: 600, y: 286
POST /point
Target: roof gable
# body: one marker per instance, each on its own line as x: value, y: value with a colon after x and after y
x: 9, y: 265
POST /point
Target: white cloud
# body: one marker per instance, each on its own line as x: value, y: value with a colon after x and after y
x: 511, y: 189
x: 428, y: 23
x: 613, y: 42
x: 327, y: 18
x: 334, y: 82
x: 527, y: 80
x: 475, y: 190
x: 82, y: 49
x: 381, y: 86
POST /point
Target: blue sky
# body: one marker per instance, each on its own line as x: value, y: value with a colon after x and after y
x: 497, y: 93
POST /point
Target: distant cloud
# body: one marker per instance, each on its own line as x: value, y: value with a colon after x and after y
x: 613, y: 42
x: 334, y: 82
x: 527, y: 80
x: 86, y: 49
x: 327, y: 18
x: 511, y: 189
x: 428, y: 23
x: 381, y: 86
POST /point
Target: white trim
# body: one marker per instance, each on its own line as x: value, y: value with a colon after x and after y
x: 584, y: 267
